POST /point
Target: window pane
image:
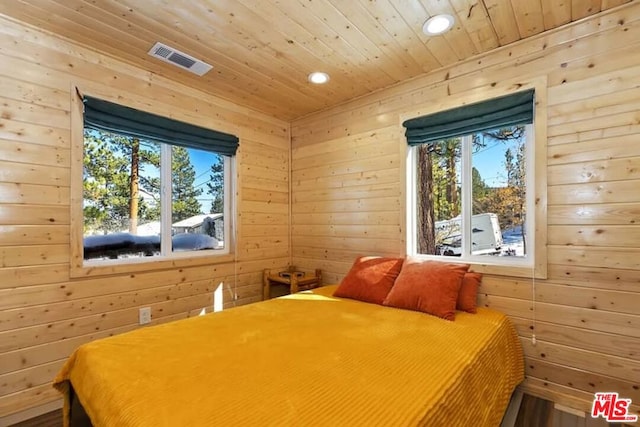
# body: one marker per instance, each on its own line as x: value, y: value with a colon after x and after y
x: 499, y: 192
x: 197, y: 195
x: 121, y: 196
x: 438, y: 198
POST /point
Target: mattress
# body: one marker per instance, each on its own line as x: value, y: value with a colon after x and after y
x: 308, y: 359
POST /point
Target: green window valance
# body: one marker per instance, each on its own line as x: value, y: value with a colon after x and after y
x: 510, y: 110
x: 110, y: 117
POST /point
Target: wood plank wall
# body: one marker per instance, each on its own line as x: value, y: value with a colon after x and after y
x: 45, y: 314
x: 347, y: 200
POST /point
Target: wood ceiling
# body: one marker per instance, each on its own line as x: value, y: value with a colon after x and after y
x: 263, y: 50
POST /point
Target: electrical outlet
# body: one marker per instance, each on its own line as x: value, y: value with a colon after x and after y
x: 145, y: 315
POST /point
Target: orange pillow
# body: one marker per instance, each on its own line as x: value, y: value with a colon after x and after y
x: 429, y: 286
x: 468, y: 295
x: 370, y: 279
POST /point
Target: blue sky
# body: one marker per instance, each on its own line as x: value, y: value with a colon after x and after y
x: 490, y: 160
x: 201, y: 161
x: 490, y: 163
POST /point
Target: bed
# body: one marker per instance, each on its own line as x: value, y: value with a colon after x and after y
x: 308, y: 359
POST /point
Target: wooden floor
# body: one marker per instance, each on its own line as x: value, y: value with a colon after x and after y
x: 534, y: 412
x: 50, y: 419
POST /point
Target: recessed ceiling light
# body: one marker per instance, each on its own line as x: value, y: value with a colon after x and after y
x: 437, y: 25
x: 318, y: 77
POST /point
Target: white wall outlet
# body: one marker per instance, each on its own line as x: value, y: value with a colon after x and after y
x: 145, y: 315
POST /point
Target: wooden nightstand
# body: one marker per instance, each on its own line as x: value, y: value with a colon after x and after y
x: 293, y: 279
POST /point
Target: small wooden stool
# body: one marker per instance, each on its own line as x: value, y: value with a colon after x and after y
x: 291, y: 278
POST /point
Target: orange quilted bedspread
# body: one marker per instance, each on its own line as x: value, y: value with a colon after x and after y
x: 308, y: 359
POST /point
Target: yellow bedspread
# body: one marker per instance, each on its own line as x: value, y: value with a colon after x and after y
x: 308, y: 359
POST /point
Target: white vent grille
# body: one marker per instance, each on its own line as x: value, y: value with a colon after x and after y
x: 181, y: 59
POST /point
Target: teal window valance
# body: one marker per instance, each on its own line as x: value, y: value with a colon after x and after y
x: 510, y: 110
x: 110, y: 117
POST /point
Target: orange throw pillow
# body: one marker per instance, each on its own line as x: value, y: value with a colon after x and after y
x: 429, y: 286
x: 468, y: 295
x: 370, y: 279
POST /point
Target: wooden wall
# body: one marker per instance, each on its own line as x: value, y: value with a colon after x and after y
x: 346, y: 200
x: 45, y: 314
x: 347, y: 197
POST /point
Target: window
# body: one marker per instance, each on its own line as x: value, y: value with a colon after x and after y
x: 152, y: 187
x: 470, y: 189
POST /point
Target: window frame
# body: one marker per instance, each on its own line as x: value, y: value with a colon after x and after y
x: 467, y: 201
x: 535, y: 263
x: 167, y: 211
x: 79, y: 267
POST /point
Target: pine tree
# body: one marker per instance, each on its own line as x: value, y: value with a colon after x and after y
x: 215, y: 186
x: 107, y: 180
x: 516, y: 182
x: 479, y: 192
x: 183, y: 193
x: 451, y: 154
x: 426, y: 240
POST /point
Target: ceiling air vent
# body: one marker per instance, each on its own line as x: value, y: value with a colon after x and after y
x: 181, y: 59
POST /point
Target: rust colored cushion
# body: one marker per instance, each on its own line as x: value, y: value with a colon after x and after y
x: 370, y: 279
x: 428, y: 286
x: 468, y: 295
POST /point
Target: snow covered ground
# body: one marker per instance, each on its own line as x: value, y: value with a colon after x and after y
x: 513, y: 242
x: 121, y: 245
x: 193, y: 242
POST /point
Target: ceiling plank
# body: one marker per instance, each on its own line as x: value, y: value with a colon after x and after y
x: 415, y: 15
x: 358, y: 41
x: 360, y: 19
x: 259, y: 55
x: 106, y: 39
x: 583, y: 8
x: 475, y: 19
x: 608, y: 4
x: 405, y: 35
x: 457, y: 37
x: 503, y: 20
x: 528, y: 17
x: 555, y: 13
x: 334, y: 54
x: 263, y: 50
